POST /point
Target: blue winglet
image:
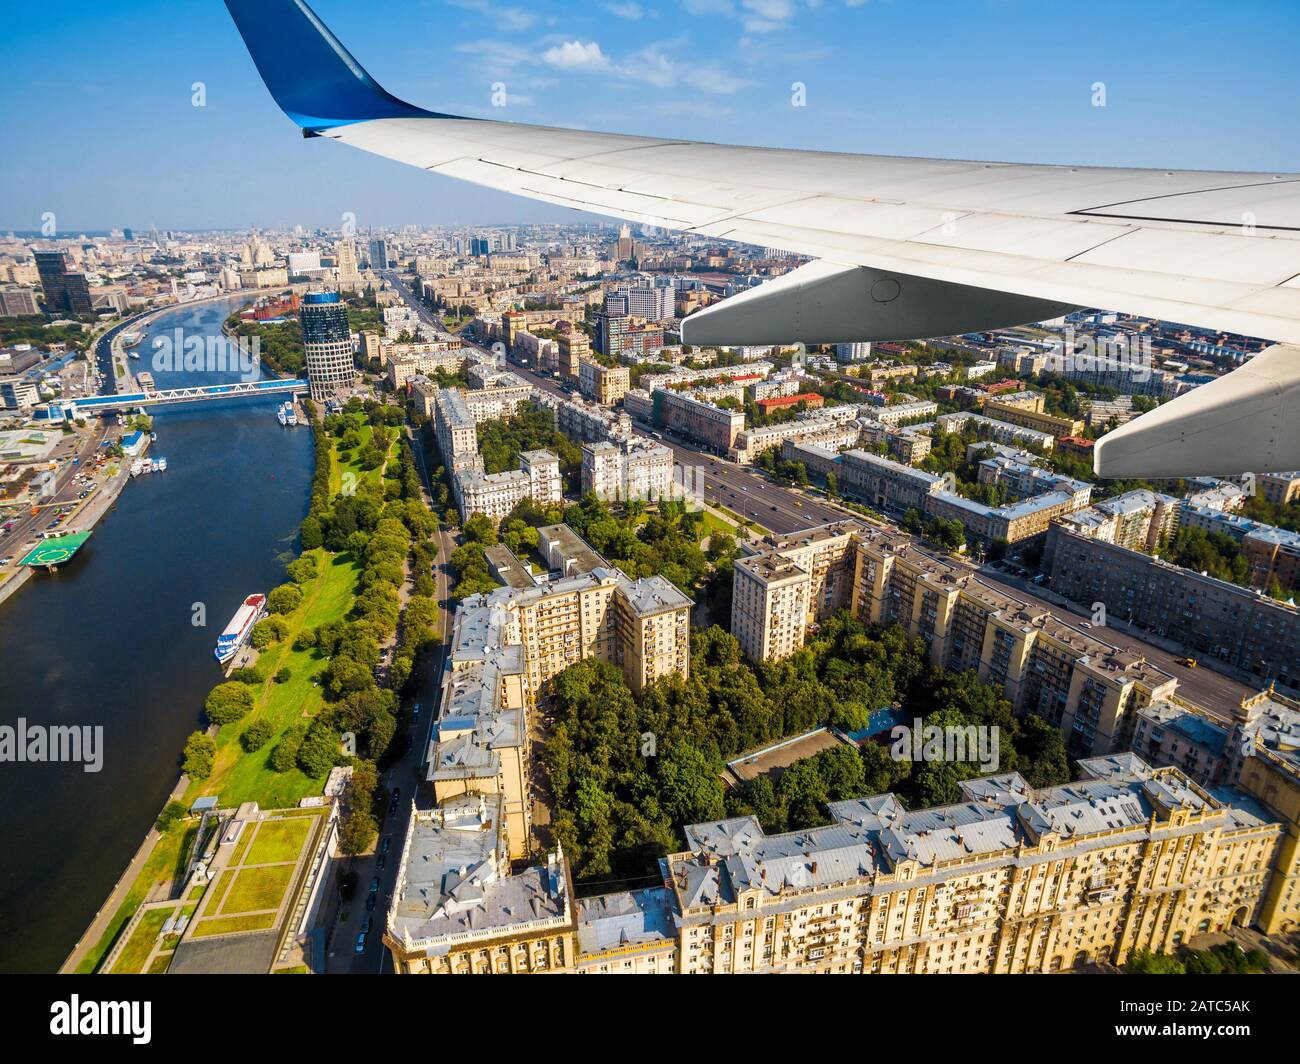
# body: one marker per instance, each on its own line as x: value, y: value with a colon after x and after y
x: 310, y: 74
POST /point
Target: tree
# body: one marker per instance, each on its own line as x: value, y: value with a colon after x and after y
x: 228, y: 702
x: 284, y: 599
x: 310, y: 534
x: 257, y: 735
x: 319, y: 750
x: 173, y: 812
x: 285, y: 753
x: 200, y: 752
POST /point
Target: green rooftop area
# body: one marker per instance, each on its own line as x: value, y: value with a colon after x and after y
x: 55, y: 551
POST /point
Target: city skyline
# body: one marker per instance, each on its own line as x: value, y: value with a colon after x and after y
x: 987, y: 82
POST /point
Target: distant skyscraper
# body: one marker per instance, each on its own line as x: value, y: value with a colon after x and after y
x: 626, y: 246
x: 327, y: 343
x: 379, y: 254
x: 480, y: 246
x: 349, y: 275
x: 65, y: 292
x: 128, y: 235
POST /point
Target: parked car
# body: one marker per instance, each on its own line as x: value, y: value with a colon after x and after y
x: 374, y: 885
x: 387, y: 844
x: 360, y: 947
x: 370, y: 903
x: 365, y: 924
x: 380, y: 862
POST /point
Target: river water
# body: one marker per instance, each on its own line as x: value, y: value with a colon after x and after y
x: 109, y: 641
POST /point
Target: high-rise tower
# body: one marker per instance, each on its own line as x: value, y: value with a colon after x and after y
x: 327, y: 342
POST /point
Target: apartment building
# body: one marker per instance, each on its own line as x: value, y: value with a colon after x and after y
x: 905, y: 445
x: 1279, y: 488
x: 898, y: 413
x: 712, y: 426
x: 585, y: 422
x: 605, y: 385
x: 1272, y: 553
x: 455, y: 429
x: 1073, y: 679
x: 457, y: 909
x: 998, y: 431
x: 495, y: 394
x: 885, y: 483
x: 1140, y: 520
x: 1010, y: 880
x: 630, y: 469
x: 815, y: 429
x: 1240, y: 627
x: 1028, y: 410
x: 572, y: 347
x: 497, y: 494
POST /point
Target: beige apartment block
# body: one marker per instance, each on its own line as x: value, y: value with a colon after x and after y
x: 605, y: 385
x: 1010, y: 880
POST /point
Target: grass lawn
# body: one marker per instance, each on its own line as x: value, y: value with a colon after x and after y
x: 713, y: 523
x: 165, y: 862
x: 131, y: 960
x: 226, y: 925
x: 213, y: 903
x: 238, y: 776
x: 278, y: 840
x: 257, y: 888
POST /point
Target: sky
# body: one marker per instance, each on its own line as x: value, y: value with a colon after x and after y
x: 100, y: 126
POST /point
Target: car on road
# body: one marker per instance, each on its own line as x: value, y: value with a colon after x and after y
x: 370, y: 903
x: 374, y: 885
x: 381, y: 861
x: 1189, y: 663
x: 365, y: 924
x: 392, y: 808
x: 387, y: 844
x: 360, y: 947
x: 415, y: 711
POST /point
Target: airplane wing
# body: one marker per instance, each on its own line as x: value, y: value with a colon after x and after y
x: 904, y: 248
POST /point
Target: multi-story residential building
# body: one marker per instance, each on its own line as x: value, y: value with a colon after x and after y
x: 19, y: 393
x: 908, y: 446
x: 885, y: 483
x: 1140, y: 519
x: 1241, y: 628
x: 1279, y: 488
x: 456, y: 907
x: 494, y: 393
x: 1027, y: 410
x: 572, y: 348
x: 1070, y: 677
x: 620, y: 334
x: 1024, y: 480
x: 898, y: 413
x: 818, y: 430
x: 588, y: 422
x: 455, y: 429
x: 1272, y: 553
x: 999, y: 431
x: 650, y: 301
x: 605, y: 385
x: 497, y: 494
x: 1010, y: 880
x: 327, y: 345
x: 629, y: 469
x: 715, y: 427
x: 407, y: 360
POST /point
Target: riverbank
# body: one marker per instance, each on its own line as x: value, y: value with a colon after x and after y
x: 114, y: 641
x: 287, y: 691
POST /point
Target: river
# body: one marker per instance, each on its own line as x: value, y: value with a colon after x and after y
x: 110, y: 641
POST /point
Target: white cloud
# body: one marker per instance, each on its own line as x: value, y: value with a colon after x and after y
x: 629, y: 10
x: 574, y: 55
x: 509, y: 19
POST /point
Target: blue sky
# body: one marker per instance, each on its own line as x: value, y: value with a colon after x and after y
x: 99, y: 126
